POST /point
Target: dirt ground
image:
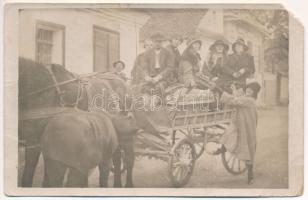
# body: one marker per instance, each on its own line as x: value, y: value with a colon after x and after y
x: 271, y: 167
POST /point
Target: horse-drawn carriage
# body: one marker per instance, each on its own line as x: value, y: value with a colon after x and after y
x: 177, y: 135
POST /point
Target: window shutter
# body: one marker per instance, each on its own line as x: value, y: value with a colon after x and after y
x: 100, y: 51
x: 113, y: 48
x: 106, y: 49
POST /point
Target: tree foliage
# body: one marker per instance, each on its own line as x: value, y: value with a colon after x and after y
x: 277, y: 45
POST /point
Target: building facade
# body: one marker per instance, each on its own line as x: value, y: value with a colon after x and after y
x: 82, y: 40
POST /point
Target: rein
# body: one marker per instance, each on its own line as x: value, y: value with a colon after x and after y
x: 57, y: 84
x: 81, y: 84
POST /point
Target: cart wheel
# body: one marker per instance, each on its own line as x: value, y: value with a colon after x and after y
x: 181, y: 162
x: 232, y: 164
x: 123, y: 164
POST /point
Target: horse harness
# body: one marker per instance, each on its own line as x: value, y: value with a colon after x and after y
x: 81, y: 84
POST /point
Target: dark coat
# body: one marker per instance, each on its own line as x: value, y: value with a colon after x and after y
x: 241, y: 138
x: 175, y: 54
x: 237, y: 62
x: 138, y: 72
x: 213, y: 68
x: 165, y: 63
x: 176, y: 57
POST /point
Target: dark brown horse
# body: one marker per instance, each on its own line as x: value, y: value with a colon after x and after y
x: 47, y: 88
x: 80, y: 142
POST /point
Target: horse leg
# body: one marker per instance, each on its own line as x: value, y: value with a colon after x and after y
x: 117, y: 168
x: 129, y: 160
x: 76, y: 178
x: 103, y: 173
x: 46, y: 179
x: 32, y: 154
x: 54, y: 173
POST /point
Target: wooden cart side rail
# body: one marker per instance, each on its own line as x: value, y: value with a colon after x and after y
x: 202, y: 119
x: 200, y: 125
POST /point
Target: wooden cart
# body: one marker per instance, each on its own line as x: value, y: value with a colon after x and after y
x: 184, y: 141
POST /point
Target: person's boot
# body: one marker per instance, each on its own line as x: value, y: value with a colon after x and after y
x: 250, y: 173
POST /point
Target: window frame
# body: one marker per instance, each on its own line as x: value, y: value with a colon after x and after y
x: 53, y: 27
x: 100, y: 28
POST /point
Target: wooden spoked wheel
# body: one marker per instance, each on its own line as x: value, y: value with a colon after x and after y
x: 199, y: 148
x: 232, y: 164
x: 198, y: 140
x: 181, y: 162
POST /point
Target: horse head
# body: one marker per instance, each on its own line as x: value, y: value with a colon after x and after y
x: 33, y: 77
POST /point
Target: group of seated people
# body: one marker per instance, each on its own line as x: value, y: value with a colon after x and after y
x: 159, y: 67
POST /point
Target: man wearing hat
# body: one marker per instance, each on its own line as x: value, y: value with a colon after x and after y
x: 218, y: 57
x: 137, y: 72
x: 239, y: 66
x: 157, y: 64
x: 117, y: 69
x: 175, y: 42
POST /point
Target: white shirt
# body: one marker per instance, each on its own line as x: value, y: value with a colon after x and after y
x: 157, y: 52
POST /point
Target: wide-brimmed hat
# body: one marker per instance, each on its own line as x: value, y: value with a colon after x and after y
x: 117, y: 62
x: 192, y: 41
x: 158, y: 37
x: 255, y: 86
x: 219, y: 42
x: 240, y: 41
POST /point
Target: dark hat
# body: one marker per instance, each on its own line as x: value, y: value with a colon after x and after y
x: 119, y: 61
x: 192, y: 41
x: 219, y: 42
x: 157, y: 37
x: 240, y: 41
x: 255, y: 86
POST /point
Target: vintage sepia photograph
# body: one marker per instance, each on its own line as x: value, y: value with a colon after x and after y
x: 152, y: 96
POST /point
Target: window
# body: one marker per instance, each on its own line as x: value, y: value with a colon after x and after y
x: 106, y: 48
x: 49, y: 43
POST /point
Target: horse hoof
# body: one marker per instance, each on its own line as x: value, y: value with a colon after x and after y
x: 129, y: 185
